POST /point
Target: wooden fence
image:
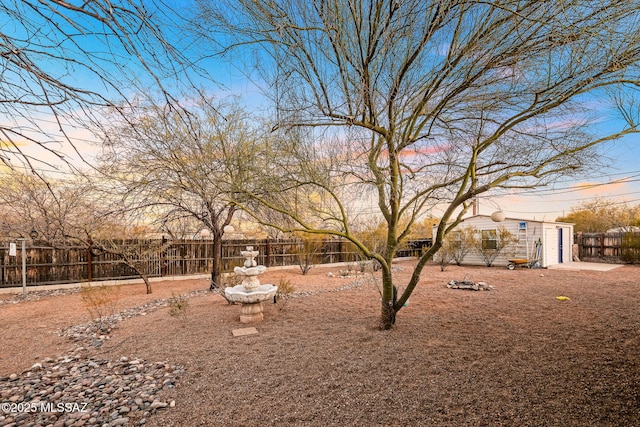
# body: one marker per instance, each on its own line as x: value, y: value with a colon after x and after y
x: 46, y: 265
x: 609, y: 247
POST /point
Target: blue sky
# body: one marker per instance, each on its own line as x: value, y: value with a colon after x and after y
x: 617, y: 177
x: 620, y: 180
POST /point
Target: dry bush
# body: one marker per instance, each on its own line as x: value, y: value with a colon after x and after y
x: 230, y: 280
x: 178, y: 306
x: 101, y: 301
x: 284, y: 293
x: 227, y: 280
x: 446, y: 254
x: 308, y: 253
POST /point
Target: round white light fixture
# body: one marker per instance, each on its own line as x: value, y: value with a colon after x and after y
x: 497, y: 216
x: 204, y: 233
x: 228, y: 229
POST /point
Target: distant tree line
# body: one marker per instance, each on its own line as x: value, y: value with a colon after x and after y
x: 601, y: 215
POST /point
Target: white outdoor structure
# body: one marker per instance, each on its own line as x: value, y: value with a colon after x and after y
x: 556, y: 239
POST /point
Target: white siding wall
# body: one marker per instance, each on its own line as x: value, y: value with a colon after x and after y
x: 547, y: 233
x: 533, y: 233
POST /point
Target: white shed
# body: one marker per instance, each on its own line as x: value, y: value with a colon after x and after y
x: 556, y: 239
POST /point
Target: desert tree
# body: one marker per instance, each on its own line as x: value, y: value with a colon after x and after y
x: 137, y: 252
x: 62, y: 62
x: 600, y: 215
x: 423, y: 105
x: 50, y: 207
x: 177, y: 166
x: 70, y: 213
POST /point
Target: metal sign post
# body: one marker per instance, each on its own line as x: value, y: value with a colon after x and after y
x: 24, y: 266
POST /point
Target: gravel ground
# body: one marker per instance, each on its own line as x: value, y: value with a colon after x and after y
x: 513, y: 355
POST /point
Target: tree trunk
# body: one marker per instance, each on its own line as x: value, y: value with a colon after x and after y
x: 387, y: 316
x: 389, y: 298
x: 147, y: 283
x: 216, y: 261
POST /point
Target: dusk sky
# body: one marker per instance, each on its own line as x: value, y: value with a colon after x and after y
x: 617, y: 178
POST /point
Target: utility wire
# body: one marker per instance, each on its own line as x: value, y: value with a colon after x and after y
x: 556, y: 211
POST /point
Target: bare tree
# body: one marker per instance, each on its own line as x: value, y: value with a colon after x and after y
x: 600, y: 215
x: 70, y: 213
x: 424, y: 104
x: 54, y: 209
x: 136, y: 252
x: 174, y: 166
x: 62, y: 62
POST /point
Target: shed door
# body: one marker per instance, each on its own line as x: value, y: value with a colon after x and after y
x: 550, y: 247
x: 560, y: 246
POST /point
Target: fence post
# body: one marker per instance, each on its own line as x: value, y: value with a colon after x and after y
x: 267, y: 252
x: 3, y: 267
x: 89, y: 262
x: 601, y: 245
x: 24, y: 267
x: 162, y: 256
x: 578, y: 239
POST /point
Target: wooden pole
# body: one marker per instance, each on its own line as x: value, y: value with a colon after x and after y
x: 162, y: 257
x: 89, y: 263
x: 24, y: 268
x: 3, y: 267
x: 267, y: 253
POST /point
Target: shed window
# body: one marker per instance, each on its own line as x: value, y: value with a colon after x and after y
x: 457, y: 239
x: 489, y: 239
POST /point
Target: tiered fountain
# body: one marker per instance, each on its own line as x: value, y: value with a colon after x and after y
x: 250, y: 292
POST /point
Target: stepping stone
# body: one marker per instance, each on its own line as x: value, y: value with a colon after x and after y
x: 244, y: 331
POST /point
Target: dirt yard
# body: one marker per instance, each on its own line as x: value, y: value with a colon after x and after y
x: 512, y: 356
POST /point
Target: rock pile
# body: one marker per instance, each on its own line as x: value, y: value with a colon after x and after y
x: 94, y: 333
x: 80, y: 390
x: 355, y: 284
x: 36, y: 295
x: 472, y: 286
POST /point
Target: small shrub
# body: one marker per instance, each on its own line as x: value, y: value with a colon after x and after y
x: 101, y: 301
x: 362, y: 263
x: 461, y: 242
x: 491, y: 243
x: 227, y: 280
x: 178, y: 306
x: 308, y: 251
x: 445, y: 255
x: 230, y: 280
x: 284, y: 293
x: 631, y: 248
